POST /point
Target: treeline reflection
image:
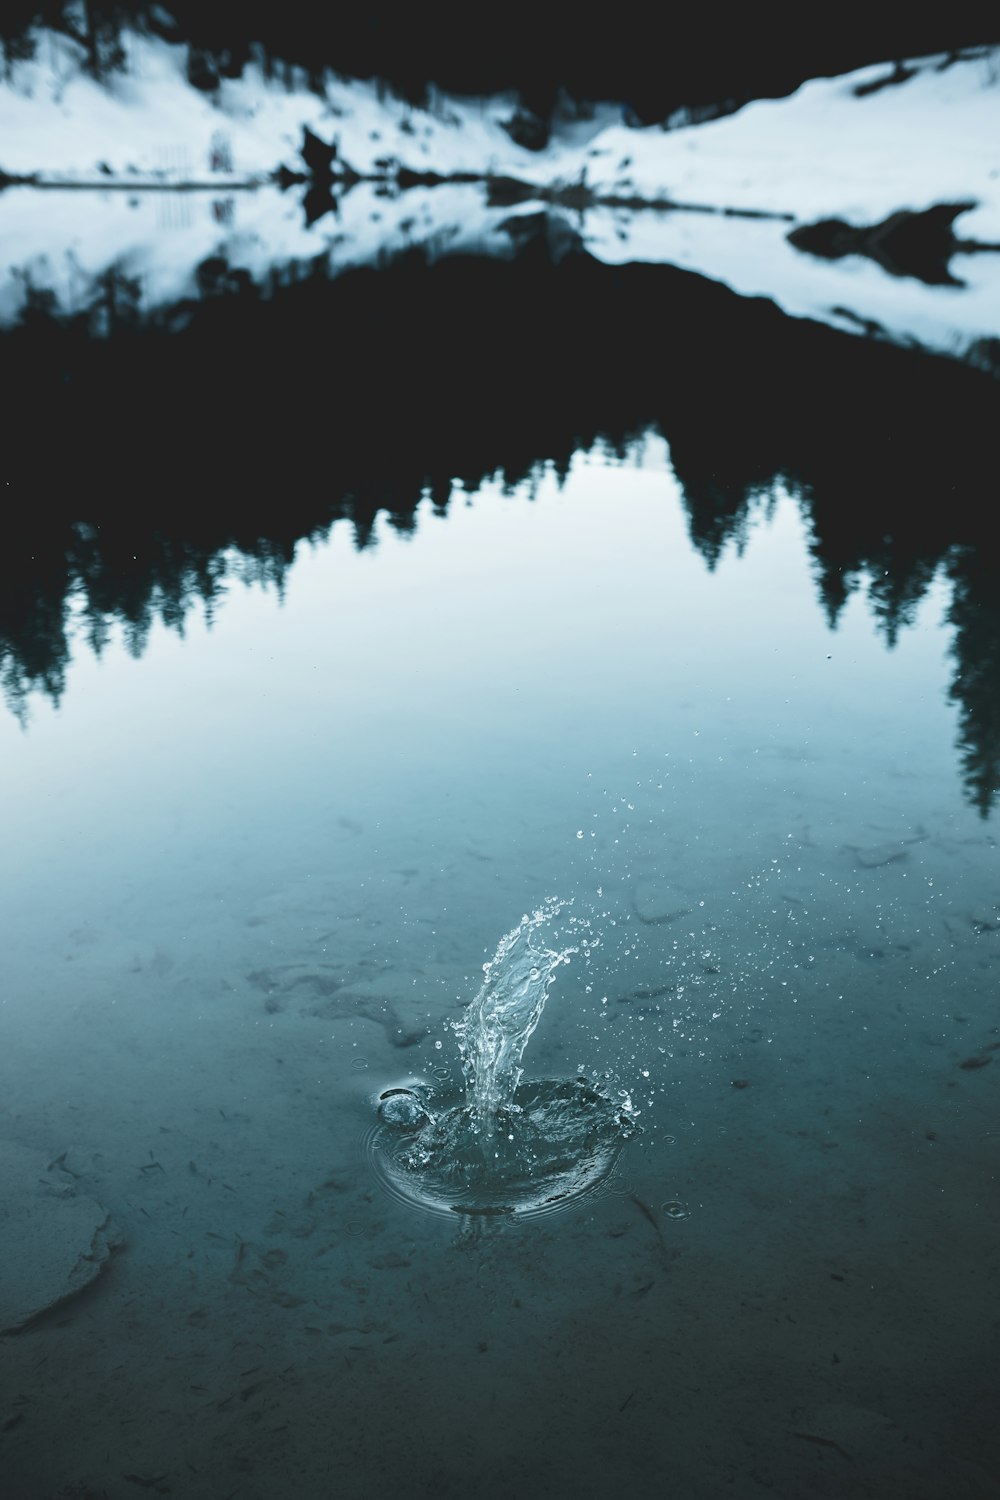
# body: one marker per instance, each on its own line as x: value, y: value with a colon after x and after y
x: 149, y: 457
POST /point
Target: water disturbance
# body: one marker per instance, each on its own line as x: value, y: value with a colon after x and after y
x: 504, y: 1146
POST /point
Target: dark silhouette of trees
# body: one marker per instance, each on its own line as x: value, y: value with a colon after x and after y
x: 975, y: 688
x: 226, y: 429
x: 649, y: 60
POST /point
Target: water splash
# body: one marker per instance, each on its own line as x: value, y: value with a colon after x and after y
x: 494, y: 1030
x: 507, y: 1147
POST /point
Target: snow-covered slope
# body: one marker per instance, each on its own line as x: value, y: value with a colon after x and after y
x: 856, y: 148
x: 149, y: 124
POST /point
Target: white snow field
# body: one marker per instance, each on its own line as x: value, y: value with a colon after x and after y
x: 718, y: 198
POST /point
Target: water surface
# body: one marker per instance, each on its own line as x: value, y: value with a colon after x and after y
x: 251, y: 873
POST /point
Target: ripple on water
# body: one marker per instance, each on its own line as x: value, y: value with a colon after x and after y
x: 561, y: 1140
x: 675, y: 1209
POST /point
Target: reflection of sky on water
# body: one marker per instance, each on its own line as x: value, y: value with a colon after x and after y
x: 338, y: 738
x: 62, y: 240
x: 461, y: 703
x: 538, y: 639
x: 58, y: 244
x: 248, y: 880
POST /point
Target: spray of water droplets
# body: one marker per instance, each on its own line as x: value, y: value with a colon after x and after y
x: 494, y: 1030
x: 507, y: 1147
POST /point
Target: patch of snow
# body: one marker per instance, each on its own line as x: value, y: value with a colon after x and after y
x: 54, y: 1240
x: 149, y: 123
x: 823, y: 152
x: 754, y: 258
x: 827, y: 151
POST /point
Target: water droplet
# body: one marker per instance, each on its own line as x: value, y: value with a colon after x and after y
x: 579, y: 833
x: 675, y: 1209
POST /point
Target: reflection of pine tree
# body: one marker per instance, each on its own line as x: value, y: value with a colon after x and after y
x: 721, y: 491
x: 117, y: 303
x: 715, y: 512
x: 95, y: 580
x: 897, y: 582
x: 241, y: 446
x: 975, y: 615
x: 896, y: 579
x: 34, y: 656
x: 39, y: 307
x: 835, y: 583
x: 136, y: 577
x: 34, y: 608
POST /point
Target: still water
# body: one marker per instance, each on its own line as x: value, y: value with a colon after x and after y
x: 252, y: 870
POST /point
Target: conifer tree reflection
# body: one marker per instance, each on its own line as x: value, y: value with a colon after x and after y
x: 226, y: 429
x: 975, y: 688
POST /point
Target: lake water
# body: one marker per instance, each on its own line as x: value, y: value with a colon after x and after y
x: 252, y: 869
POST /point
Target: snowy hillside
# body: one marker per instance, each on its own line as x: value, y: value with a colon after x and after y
x: 720, y: 198
x: 57, y: 124
x: 857, y: 147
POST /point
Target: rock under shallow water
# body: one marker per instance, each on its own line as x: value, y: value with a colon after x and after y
x: 657, y: 901
x: 54, y: 1240
x: 890, y: 1459
x: 874, y: 856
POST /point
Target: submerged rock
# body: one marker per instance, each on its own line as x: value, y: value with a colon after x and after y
x: 886, y: 1458
x: 657, y: 901
x: 54, y: 1240
x: 874, y: 856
